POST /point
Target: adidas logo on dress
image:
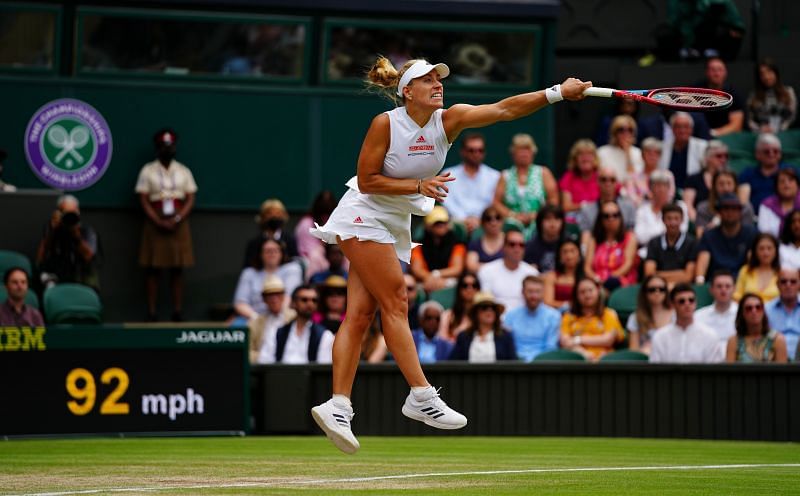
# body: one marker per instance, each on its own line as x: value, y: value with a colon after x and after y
x: 421, y: 139
x: 358, y: 220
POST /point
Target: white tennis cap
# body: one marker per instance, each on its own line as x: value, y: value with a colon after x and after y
x: 420, y: 68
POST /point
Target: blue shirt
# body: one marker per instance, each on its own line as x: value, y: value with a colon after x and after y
x: 787, y: 323
x: 470, y: 196
x: 727, y: 253
x: 534, y: 331
x: 431, y: 350
x: 761, y: 186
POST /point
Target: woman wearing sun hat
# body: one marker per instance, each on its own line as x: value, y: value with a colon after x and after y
x: 486, y: 341
x: 398, y: 168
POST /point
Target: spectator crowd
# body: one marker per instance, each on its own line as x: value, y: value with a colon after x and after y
x: 519, y: 263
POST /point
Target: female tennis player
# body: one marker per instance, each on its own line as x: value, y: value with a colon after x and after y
x: 402, y: 153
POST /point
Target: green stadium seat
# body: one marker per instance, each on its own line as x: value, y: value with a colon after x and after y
x: 740, y: 145
x: 70, y: 303
x: 737, y: 165
x: 10, y: 259
x: 559, y: 355
x: 30, y: 298
x: 623, y: 301
x: 624, y: 356
x: 573, y: 231
x: 704, y: 297
x: 446, y: 296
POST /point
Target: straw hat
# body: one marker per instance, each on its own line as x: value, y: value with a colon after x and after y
x: 334, y: 281
x: 272, y: 284
x: 482, y: 299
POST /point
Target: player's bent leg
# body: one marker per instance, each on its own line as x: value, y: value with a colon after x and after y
x: 380, y: 274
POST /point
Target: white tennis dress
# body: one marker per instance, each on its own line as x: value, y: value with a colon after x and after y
x: 414, y: 152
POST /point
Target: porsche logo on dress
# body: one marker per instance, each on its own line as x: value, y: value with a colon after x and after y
x: 421, y: 147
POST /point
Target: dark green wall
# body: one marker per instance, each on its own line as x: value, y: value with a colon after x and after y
x: 243, y: 143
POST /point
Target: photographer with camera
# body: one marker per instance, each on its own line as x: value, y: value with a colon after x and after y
x: 68, y: 250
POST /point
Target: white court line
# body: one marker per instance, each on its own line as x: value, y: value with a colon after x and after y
x: 411, y: 476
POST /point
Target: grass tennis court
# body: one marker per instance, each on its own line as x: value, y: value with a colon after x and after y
x: 310, y: 465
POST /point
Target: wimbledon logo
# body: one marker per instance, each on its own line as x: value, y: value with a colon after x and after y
x: 68, y: 144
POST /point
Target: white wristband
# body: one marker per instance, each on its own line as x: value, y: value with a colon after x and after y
x: 553, y: 94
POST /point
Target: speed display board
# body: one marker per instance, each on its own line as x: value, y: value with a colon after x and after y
x: 96, y: 380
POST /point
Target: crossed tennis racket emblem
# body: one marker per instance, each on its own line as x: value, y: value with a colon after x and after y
x: 68, y: 143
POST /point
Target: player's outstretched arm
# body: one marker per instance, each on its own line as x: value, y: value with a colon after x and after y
x: 463, y: 116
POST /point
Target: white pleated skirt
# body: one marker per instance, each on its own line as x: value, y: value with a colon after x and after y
x: 379, y: 218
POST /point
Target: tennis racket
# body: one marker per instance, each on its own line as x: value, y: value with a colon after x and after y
x: 688, y: 99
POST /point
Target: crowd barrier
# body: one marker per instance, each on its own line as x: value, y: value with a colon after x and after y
x: 725, y: 401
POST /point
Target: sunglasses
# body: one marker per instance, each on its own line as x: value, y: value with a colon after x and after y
x: 465, y: 285
x: 624, y: 130
x: 614, y: 215
x: 753, y: 308
x: 604, y: 179
x: 490, y: 218
x: 306, y: 299
x: 475, y: 150
x: 431, y: 317
x: 721, y: 155
x: 788, y: 281
x: 485, y: 307
x: 683, y: 301
x: 515, y: 244
x: 657, y: 289
x: 411, y: 288
x: 770, y: 151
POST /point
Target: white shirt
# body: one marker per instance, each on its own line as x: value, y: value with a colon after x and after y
x: 694, y: 344
x: 296, y: 350
x: 160, y: 183
x: 790, y: 256
x: 482, y: 350
x: 614, y: 157
x: 272, y: 322
x: 505, y: 285
x: 470, y: 196
x: 769, y: 222
x: 649, y: 224
x: 722, y: 323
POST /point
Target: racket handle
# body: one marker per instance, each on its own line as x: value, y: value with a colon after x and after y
x: 601, y: 92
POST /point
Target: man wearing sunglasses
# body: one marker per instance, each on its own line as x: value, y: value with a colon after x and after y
x: 685, y: 341
x: 301, y: 341
x: 503, y: 277
x: 784, y: 312
x: 473, y: 190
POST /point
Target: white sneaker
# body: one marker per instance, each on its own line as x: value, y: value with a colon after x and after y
x: 432, y: 410
x: 335, y: 421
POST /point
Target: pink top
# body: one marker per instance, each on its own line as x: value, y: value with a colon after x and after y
x: 309, y: 247
x: 582, y: 190
x: 610, y: 255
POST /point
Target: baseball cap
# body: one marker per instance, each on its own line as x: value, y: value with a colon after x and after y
x: 420, y: 68
x: 438, y: 214
x: 729, y: 200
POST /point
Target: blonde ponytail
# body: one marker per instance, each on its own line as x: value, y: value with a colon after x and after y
x: 383, y: 78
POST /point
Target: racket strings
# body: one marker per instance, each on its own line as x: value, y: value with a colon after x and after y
x: 691, y: 98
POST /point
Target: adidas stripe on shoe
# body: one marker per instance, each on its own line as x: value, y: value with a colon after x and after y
x: 429, y: 408
x: 335, y: 422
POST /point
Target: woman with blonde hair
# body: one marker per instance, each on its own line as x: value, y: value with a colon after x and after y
x: 579, y: 184
x: 621, y: 153
x: 524, y: 187
x: 398, y: 168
